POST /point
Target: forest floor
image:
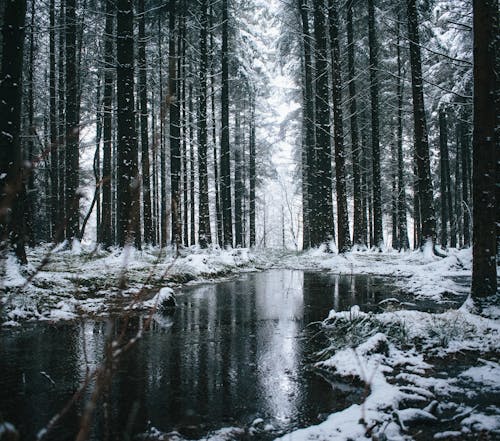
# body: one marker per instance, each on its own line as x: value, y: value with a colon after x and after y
x: 428, y: 375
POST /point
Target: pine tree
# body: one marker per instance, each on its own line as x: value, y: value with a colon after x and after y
x: 12, y: 191
x: 485, y: 153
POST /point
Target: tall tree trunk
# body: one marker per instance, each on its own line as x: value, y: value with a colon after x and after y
x: 308, y: 121
x: 174, y: 121
x: 444, y: 176
x: 109, y: 62
x: 458, y: 187
x: 163, y: 154
x: 378, y: 236
x: 128, y: 186
x: 181, y: 75
x: 72, y: 127
x: 428, y: 220
x: 238, y: 184
x: 464, y: 153
x: 204, y: 232
x: 54, y: 148
x: 485, y: 154
x: 12, y: 191
x: 224, y: 146
x: 61, y: 118
x: 252, y: 172
x: 143, y: 99
x: 403, y: 242
x: 192, y: 198
x: 322, y: 219
x: 29, y: 154
x: 344, y: 240
x: 358, y: 233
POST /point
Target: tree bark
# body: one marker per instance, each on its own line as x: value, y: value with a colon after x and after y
x: 12, y: 191
x: 224, y: 149
x: 344, y: 240
x: 485, y: 154
x: 204, y: 232
x: 322, y: 216
x: 128, y: 185
x: 143, y: 100
x: 425, y: 193
x: 174, y: 120
x: 378, y: 236
x: 54, y: 148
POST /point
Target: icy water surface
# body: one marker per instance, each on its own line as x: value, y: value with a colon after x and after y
x: 232, y: 352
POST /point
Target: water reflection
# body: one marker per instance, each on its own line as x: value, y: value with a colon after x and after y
x: 233, y: 352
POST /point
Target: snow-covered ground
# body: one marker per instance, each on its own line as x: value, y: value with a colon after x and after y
x: 427, y: 375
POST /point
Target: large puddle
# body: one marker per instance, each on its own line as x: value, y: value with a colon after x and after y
x: 234, y: 352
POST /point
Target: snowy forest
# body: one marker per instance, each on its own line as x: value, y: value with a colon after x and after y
x: 249, y: 219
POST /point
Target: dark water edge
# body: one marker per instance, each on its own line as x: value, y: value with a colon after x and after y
x: 232, y: 353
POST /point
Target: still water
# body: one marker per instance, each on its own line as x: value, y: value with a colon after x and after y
x: 232, y: 352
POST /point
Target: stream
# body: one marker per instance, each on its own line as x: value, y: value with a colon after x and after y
x: 236, y: 353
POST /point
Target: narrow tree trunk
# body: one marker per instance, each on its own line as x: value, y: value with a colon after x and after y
x: 29, y: 173
x: 72, y: 127
x: 344, y: 240
x: 444, y: 176
x: 61, y: 118
x: 107, y: 132
x: 402, y: 221
x: 143, y: 99
x: 204, y: 232
x: 174, y: 121
x: 12, y: 191
x: 224, y: 149
x: 425, y: 192
x: 458, y: 188
x: 192, y: 198
x: 485, y: 154
x: 127, y: 162
x: 323, y: 218
x: 238, y: 184
x: 252, y: 173
x: 54, y: 148
x: 466, y: 207
x: 378, y: 236
x: 358, y: 233
x: 308, y: 121
x: 163, y: 153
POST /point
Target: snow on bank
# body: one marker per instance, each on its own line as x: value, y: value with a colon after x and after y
x: 88, y: 282
x: 393, y: 353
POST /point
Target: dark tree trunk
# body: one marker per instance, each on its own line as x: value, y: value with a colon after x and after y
x: 174, y: 136
x: 485, y: 153
x: 403, y: 242
x: 322, y: 218
x: 224, y: 149
x: 107, y: 105
x: 143, y: 99
x: 54, y: 148
x: 444, y: 176
x: 378, y: 236
x: 61, y: 118
x: 163, y: 154
x: 204, y: 233
x: 425, y: 193
x: 181, y: 75
x: 394, y: 196
x: 128, y: 186
x: 12, y: 191
x: 238, y: 183
x: 344, y: 240
x: 72, y: 127
x: 458, y: 188
x: 252, y: 173
x: 308, y: 121
x: 192, y: 198
x: 464, y: 153
x: 29, y: 154
x: 359, y: 236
